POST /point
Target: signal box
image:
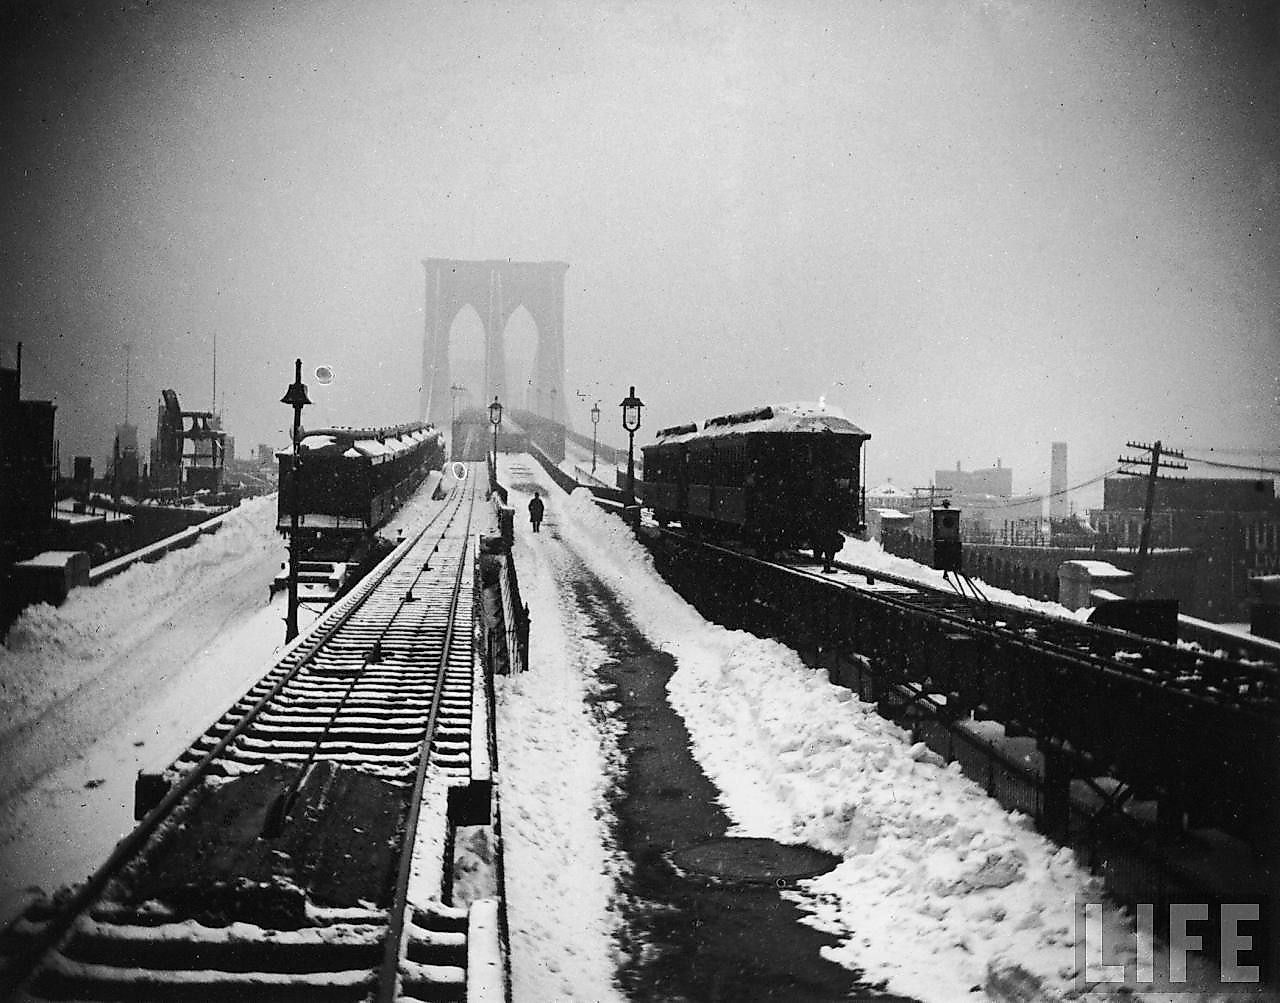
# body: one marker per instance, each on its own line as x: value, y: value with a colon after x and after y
x: 946, y: 538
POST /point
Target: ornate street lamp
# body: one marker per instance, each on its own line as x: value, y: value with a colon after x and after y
x: 631, y: 406
x: 495, y: 419
x: 595, y: 427
x: 296, y: 398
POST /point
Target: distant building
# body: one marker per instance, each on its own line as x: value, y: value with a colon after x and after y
x: 891, y: 520
x: 889, y: 496
x: 997, y: 480
x: 28, y: 467
x: 989, y: 512
x: 1232, y: 524
x: 124, y: 460
x: 1058, y: 505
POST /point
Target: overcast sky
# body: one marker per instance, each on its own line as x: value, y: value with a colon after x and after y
x: 978, y: 227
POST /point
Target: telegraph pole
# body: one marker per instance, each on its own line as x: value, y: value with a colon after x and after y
x: 1152, y: 473
x: 934, y: 493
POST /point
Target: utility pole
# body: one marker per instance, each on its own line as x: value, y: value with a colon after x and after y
x: 934, y: 493
x: 1152, y: 473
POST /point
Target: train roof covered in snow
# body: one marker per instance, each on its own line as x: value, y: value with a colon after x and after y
x: 799, y: 417
x: 375, y: 443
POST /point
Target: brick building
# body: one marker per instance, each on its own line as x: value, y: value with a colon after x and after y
x: 28, y: 469
x: 1232, y: 524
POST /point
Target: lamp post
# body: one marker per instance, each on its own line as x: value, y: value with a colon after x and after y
x: 631, y: 406
x: 495, y: 419
x: 295, y: 397
x: 595, y: 427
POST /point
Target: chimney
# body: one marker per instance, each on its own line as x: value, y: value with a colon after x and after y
x: 1058, y: 505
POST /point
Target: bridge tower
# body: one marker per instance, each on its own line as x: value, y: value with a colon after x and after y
x: 495, y: 289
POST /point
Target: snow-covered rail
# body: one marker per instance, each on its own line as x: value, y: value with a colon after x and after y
x: 295, y: 850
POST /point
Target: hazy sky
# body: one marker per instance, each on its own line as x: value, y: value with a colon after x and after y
x: 976, y: 226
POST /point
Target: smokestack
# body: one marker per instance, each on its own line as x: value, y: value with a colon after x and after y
x: 1058, y: 507
x: 128, y: 353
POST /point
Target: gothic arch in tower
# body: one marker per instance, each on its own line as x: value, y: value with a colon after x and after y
x: 496, y: 289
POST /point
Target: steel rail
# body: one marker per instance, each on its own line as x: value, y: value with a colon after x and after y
x: 1201, y: 660
x: 1018, y: 620
x: 285, y: 801
x: 58, y: 928
x: 389, y: 973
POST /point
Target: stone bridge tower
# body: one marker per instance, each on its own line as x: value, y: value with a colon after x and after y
x: 495, y: 289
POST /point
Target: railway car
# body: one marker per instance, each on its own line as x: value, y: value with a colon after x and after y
x: 780, y: 476
x: 351, y: 480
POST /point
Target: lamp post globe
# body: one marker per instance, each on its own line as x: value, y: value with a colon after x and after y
x: 296, y: 397
x: 631, y: 406
x: 595, y: 428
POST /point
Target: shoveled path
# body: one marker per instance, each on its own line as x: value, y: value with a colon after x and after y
x: 686, y: 937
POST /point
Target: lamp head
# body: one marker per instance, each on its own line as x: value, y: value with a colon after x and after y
x: 296, y: 395
x: 631, y: 406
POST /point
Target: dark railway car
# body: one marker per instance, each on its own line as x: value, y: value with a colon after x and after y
x: 351, y: 480
x: 781, y: 476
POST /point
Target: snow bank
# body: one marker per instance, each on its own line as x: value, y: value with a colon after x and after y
x: 938, y: 883
x: 50, y: 651
x: 870, y: 554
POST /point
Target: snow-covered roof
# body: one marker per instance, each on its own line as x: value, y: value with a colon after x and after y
x: 888, y: 490
x: 395, y: 437
x: 50, y: 559
x: 799, y: 416
x: 1099, y: 569
x: 371, y: 447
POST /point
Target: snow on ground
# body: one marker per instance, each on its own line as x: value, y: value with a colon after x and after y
x: 936, y: 881
x: 125, y: 672
x: 95, y: 689
x: 51, y: 652
x: 870, y: 554
x: 555, y: 768
x: 937, y: 885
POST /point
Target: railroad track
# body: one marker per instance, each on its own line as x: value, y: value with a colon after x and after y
x: 1195, y: 730
x: 1227, y: 679
x: 1218, y: 678
x: 297, y: 849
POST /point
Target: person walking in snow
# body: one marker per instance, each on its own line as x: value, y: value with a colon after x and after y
x: 536, y: 509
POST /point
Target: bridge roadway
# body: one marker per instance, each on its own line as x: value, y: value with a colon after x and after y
x: 296, y: 849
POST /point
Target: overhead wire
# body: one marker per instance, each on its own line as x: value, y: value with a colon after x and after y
x: 1021, y: 500
x: 1028, y: 499
x: 1233, y: 466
